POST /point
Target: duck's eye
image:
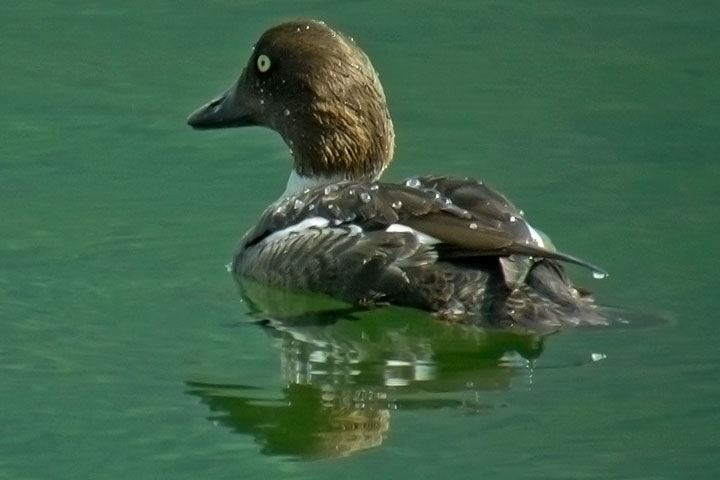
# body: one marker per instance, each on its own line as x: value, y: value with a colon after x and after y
x: 263, y: 63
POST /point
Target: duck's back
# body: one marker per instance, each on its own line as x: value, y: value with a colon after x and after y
x: 452, y: 246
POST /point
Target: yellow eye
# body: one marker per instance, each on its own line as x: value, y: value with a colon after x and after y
x: 263, y: 63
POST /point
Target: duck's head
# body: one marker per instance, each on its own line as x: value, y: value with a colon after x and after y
x: 320, y: 92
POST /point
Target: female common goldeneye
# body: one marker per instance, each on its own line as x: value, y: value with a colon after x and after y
x: 452, y: 246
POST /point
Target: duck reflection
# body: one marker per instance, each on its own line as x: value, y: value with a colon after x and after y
x: 347, y: 370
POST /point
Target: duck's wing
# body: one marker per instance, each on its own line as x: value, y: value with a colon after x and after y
x: 499, y: 223
x: 458, y: 218
x: 517, y: 244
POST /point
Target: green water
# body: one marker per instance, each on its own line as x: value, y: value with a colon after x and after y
x: 126, y: 352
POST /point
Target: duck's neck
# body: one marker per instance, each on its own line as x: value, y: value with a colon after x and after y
x: 297, y: 182
x: 335, y: 141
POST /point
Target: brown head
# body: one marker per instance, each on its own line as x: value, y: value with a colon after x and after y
x: 320, y: 92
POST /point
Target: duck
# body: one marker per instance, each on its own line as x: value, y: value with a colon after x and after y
x: 452, y: 246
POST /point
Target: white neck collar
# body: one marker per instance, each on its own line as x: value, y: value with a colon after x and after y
x: 297, y: 183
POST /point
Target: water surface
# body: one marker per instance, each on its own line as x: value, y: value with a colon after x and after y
x: 126, y: 351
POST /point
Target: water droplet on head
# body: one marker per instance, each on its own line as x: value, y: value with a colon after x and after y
x: 397, y: 204
x: 374, y: 187
x: 286, y: 112
x: 599, y: 275
x: 329, y: 189
x: 262, y: 102
x: 365, y: 197
x: 473, y: 226
x: 513, y: 219
x: 298, y: 204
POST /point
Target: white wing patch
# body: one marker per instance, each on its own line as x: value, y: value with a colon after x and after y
x: 308, y: 223
x: 423, y: 237
x: 312, y: 222
x: 426, y: 239
x: 536, y: 236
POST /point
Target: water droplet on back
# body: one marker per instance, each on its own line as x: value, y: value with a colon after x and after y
x: 473, y: 226
x: 334, y: 209
x: 599, y: 275
x: 365, y: 197
x: 397, y: 204
x: 413, y: 182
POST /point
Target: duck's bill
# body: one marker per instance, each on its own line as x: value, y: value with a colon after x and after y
x: 223, y: 112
